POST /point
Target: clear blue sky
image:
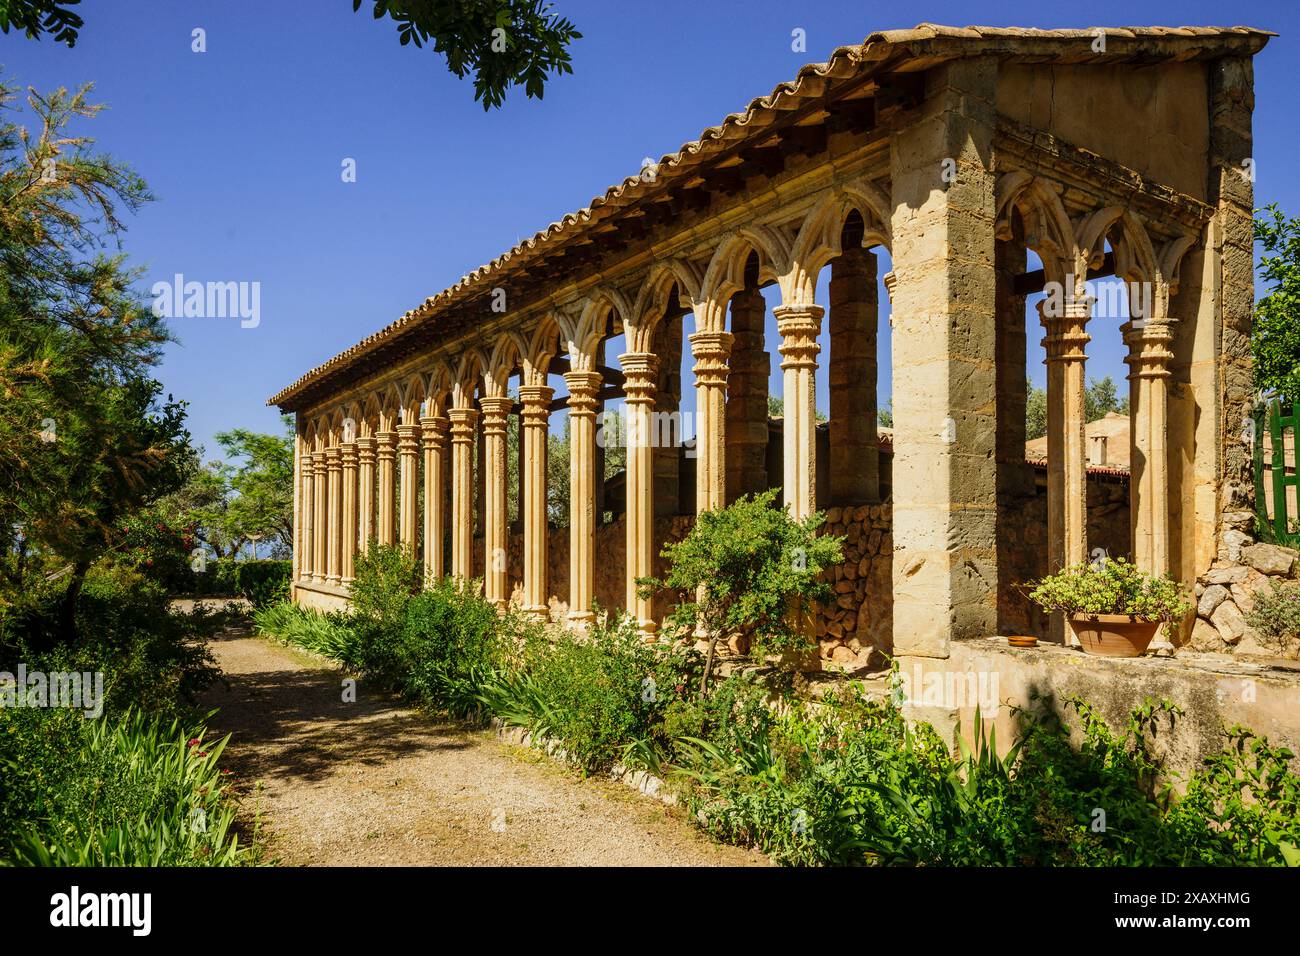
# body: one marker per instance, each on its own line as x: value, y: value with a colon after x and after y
x: 243, y: 147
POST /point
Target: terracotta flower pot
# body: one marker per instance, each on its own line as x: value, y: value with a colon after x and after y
x: 1113, y: 635
x: 1022, y: 640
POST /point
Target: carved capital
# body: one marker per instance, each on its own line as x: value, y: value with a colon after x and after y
x: 711, y: 351
x: 1067, y: 338
x: 348, y: 453
x: 1148, y: 348
x: 463, y: 421
x: 640, y: 377
x: 496, y: 412
x: 583, y: 387
x: 365, y: 450
x: 386, y: 445
x: 799, y: 326
x: 536, y: 400
x: 408, y: 439
x: 433, y: 430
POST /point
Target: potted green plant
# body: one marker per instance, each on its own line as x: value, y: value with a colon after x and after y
x: 1113, y: 608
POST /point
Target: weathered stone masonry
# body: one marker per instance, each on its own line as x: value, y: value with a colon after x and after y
x: 955, y: 151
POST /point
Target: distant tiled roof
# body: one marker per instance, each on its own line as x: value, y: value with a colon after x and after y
x: 906, y: 50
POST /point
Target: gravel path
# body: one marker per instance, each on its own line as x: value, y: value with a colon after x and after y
x: 374, y: 783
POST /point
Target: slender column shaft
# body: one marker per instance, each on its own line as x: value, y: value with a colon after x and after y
x: 347, y: 566
x: 748, y: 367
x: 1067, y: 454
x: 387, y: 456
x: 583, y: 387
x: 434, y: 432
x: 365, y: 492
x: 408, y: 449
x: 640, y: 372
x: 306, y: 462
x: 496, y: 415
x: 1148, y: 361
x: 320, y: 522
x: 536, y: 401
x: 334, y: 556
x: 799, y: 326
x: 710, y: 350
x: 462, y: 491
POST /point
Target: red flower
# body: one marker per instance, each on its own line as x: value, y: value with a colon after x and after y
x: 193, y: 742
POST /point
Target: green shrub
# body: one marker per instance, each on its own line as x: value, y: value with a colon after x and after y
x: 750, y: 569
x: 263, y: 581
x: 330, y: 635
x: 386, y: 578
x: 601, y: 695
x: 1276, y: 616
x: 127, y: 791
x: 447, y: 648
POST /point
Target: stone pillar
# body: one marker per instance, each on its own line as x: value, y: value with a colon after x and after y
x: 347, y: 563
x: 434, y: 432
x: 854, y: 444
x: 1067, y: 453
x: 583, y: 388
x: 640, y: 380
x: 387, y: 455
x: 462, y: 491
x: 365, y: 492
x: 408, y: 447
x: 746, y: 405
x: 710, y: 350
x: 496, y: 525
x: 945, y: 475
x: 1148, y: 361
x: 307, y: 541
x: 320, y: 521
x: 799, y: 326
x: 334, y: 555
x: 667, y: 452
x: 536, y: 400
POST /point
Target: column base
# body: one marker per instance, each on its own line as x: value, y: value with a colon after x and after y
x: 333, y: 580
x: 537, y: 612
x: 580, y: 620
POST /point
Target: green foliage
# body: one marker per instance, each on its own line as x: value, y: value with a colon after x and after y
x: 504, y: 43
x: 1276, y: 616
x: 263, y: 582
x: 386, y: 578
x: 595, y: 695
x: 127, y: 791
x: 749, y: 568
x: 1111, y: 586
x: 1275, y: 337
x: 330, y: 635
x: 37, y: 17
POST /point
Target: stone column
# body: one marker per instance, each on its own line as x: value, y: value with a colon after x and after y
x: 408, y: 448
x: 710, y: 350
x: 536, y: 400
x: 746, y: 406
x: 945, y: 472
x: 668, y: 442
x: 320, y: 521
x: 434, y: 432
x: 1148, y: 361
x: 347, y: 569
x: 387, y: 454
x: 583, y: 388
x: 1067, y: 452
x: 334, y: 556
x: 854, y: 444
x: 799, y: 326
x: 462, y: 491
x: 640, y: 373
x: 307, y: 541
x: 365, y: 492
x: 496, y: 416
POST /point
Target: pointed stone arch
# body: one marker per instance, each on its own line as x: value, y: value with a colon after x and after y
x: 1047, y: 228
x: 821, y: 234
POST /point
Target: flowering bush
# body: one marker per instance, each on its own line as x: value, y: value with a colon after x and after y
x: 1276, y: 616
x: 1111, y: 587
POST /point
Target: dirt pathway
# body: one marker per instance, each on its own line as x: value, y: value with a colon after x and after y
x: 373, y: 783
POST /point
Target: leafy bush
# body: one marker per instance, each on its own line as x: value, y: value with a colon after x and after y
x: 1276, y: 616
x: 602, y: 694
x: 749, y: 569
x: 386, y: 578
x: 1111, y: 586
x: 128, y: 791
x: 331, y: 635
